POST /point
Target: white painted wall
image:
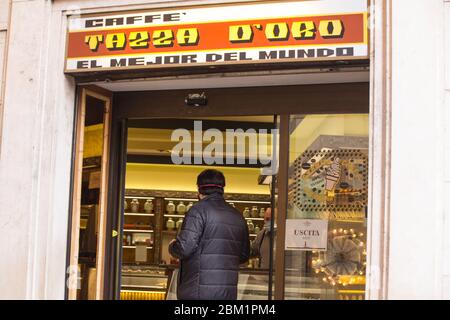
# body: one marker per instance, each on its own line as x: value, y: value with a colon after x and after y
x: 446, y: 224
x: 417, y: 225
x: 4, y: 18
x: 35, y: 156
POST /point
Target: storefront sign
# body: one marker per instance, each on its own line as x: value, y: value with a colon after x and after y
x: 306, y: 234
x: 262, y: 32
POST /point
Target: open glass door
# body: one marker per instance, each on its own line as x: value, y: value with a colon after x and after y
x: 88, y: 209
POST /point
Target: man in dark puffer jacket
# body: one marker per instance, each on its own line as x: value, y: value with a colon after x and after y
x: 212, y: 243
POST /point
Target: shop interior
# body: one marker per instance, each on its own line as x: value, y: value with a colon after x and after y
x: 327, y: 180
x: 159, y: 193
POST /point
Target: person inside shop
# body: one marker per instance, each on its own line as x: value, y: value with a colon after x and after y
x: 260, y: 247
x: 212, y: 243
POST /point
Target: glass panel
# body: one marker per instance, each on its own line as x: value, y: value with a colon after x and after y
x: 325, y: 255
x: 90, y: 197
x: 271, y: 224
x: 159, y: 192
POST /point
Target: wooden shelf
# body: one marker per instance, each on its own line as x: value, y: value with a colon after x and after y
x: 143, y: 287
x: 169, y: 231
x: 139, y: 214
x: 133, y: 247
x: 181, y: 199
x: 139, y: 197
x: 174, y: 215
x: 248, y: 201
x: 138, y: 231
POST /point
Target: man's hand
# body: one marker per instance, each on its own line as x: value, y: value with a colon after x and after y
x: 170, y: 243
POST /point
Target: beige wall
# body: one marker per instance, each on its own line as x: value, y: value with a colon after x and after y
x: 446, y: 224
x: 35, y: 155
x: 4, y: 19
x: 418, y: 199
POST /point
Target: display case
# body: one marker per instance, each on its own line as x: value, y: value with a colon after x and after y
x: 253, y: 284
x: 152, y: 218
x: 143, y: 283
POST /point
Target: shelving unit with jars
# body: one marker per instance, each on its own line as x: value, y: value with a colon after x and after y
x: 138, y: 228
x: 253, y: 211
x: 152, y: 218
x: 174, y: 210
x: 160, y: 214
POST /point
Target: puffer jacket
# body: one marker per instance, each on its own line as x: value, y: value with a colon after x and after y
x: 212, y: 243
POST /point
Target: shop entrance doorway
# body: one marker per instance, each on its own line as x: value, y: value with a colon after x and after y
x: 164, y: 157
x: 318, y: 184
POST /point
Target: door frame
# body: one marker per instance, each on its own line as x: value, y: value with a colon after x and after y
x: 75, y: 200
x: 275, y: 100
